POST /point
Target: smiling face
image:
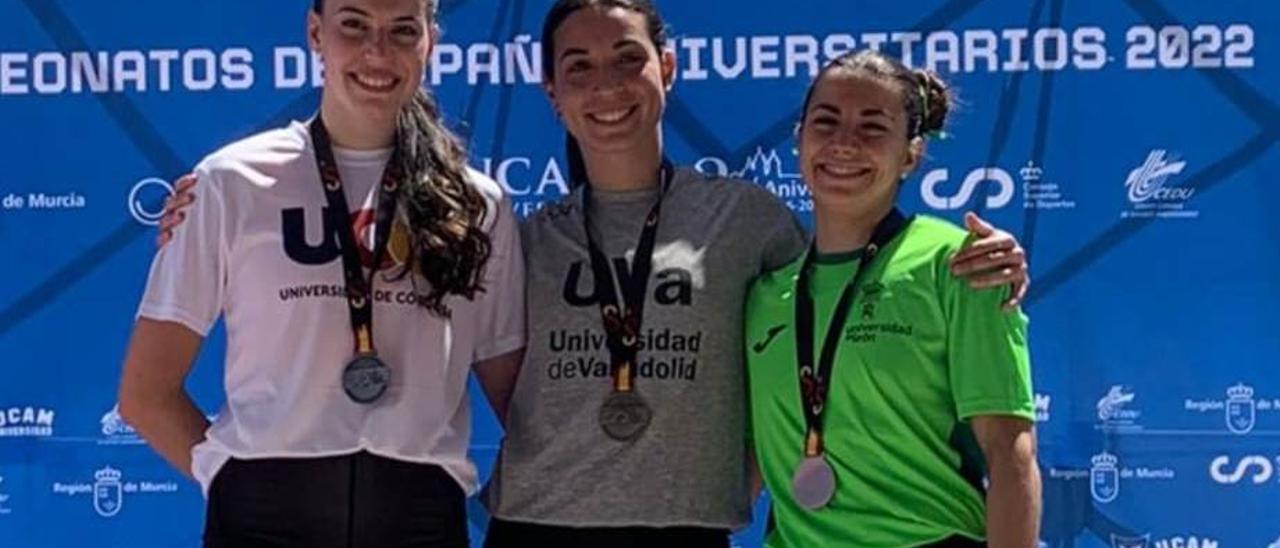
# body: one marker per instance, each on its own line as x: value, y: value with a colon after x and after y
x: 609, y: 80
x: 374, y: 53
x: 854, y: 144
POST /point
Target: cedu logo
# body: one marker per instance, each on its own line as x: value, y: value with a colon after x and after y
x: 145, y: 196
x: 1151, y: 195
x: 1257, y: 468
x: 115, y: 431
x: 114, y: 425
x: 1147, y: 182
x: 929, y: 188
x: 1112, y: 412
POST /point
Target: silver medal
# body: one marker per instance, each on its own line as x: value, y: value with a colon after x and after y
x: 814, y: 483
x: 366, y: 378
x: 624, y: 416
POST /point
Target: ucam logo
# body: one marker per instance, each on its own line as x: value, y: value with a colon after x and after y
x: 26, y: 422
x: 146, y: 200
x: 1042, y: 407
x: 523, y: 176
x: 1149, y: 191
x: 1255, y: 469
x: 934, y: 178
x: 1145, y: 541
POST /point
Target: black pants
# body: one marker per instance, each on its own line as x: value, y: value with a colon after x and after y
x: 354, y: 501
x: 505, y: 534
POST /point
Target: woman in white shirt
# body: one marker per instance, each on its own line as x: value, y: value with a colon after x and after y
x: 350, y: 328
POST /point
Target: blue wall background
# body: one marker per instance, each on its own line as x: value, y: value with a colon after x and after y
x: 1129, y: 144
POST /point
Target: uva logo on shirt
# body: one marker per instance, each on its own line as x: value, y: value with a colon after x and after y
x: 293, y: 229
x: 670, y: 286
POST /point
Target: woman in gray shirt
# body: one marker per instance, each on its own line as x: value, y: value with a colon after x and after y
x: 626, y: 424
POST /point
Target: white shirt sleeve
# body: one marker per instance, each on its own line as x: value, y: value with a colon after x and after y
x: 501, y: 311
x: 187, y: 283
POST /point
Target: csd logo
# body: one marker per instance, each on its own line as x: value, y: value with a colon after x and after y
x: 934, y: 178
x: 1257, y: 468
x: 146, y: 200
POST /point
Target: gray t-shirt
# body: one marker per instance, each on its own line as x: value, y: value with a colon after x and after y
x: 557, y: 466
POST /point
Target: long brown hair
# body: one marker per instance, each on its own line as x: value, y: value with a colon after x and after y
x: 443, y: 212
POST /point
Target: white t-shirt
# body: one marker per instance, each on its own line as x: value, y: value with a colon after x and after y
x: 254, y: 249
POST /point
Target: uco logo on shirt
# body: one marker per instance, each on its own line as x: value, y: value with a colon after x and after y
x: 293, y: 224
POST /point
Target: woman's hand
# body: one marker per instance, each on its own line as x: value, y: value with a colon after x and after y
x: 175, y: 206
x: 993, y: 258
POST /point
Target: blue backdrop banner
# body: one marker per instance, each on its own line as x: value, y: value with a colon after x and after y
x: 1127, y: 143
